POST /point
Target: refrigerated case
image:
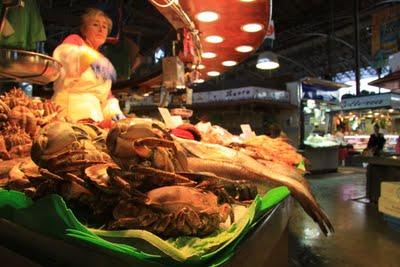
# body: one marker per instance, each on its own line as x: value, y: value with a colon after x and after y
x: 360, y: 142
x: 359, y: 115
x: 318, y: 102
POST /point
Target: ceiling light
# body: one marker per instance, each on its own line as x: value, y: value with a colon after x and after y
x: 229, y: 63
x: 267, y: 61
x: 207, y: 16
x: 244, y: 48
x: 199, y: 67
x: 247, y: 1
x: 208, y: 55
x: 213, y: 73
x: 252, y: 27
x: 199, y: 81
x: 214, y: 39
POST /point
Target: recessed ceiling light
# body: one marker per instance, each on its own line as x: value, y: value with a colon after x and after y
x: 229, y: 63
x: 247, y: 1
x: 252, y: 27
x: 244, y: 48
x: 207, y: 16
x: 208, y: 55
x: 214, y: 39
x: 199, y: 81
x: 199, y: 67
x: 213, y: 73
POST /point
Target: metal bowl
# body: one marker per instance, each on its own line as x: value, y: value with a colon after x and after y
x: 25, y: 66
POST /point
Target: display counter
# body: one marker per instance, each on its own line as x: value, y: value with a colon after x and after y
x: 360, y: 142
x: 322, y: 159
x: 266, y: 245
x: 380, y: 169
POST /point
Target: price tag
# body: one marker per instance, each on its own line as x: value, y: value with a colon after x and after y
x: 247, y: 132
x: 166, y: 117
x: 176, y: 121
x: 203, y: 127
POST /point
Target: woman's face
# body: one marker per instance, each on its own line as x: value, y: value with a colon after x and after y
x: 96, y: 31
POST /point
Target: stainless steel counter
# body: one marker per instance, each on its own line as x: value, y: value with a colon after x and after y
x: 380, y: 169
x: 322, y: 159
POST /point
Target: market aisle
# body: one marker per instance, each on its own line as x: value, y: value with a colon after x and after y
x: 362, y: 237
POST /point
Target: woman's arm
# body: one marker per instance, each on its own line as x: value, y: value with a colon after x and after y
x: 75, y: 55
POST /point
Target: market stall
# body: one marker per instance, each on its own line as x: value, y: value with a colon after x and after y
x: 318, y: 101
x: 358, y: 116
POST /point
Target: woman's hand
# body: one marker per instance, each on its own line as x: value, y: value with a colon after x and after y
x: 118, y: 117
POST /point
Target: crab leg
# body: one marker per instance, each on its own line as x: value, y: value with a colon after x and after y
x: 170, y: 175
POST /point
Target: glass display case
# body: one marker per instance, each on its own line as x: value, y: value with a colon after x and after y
x: 360, y: 142
x: 317, y: 120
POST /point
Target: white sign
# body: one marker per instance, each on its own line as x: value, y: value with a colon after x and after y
x: 247, y: 132
x: 167, y: 117
x: 176, y: 121
x: 362, y: 102
x: 243, y: 93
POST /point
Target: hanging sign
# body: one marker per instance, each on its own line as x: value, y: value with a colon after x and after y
x: 365, y: 102
x: 385, y: 38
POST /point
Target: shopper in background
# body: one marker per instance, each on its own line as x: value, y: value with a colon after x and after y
x: 375, y: 143
x: 397, y: 149
x: 343, y: 151
x: 274, y: 130
x: 84, y: 86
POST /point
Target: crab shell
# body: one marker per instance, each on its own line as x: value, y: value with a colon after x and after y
x: 130, y: 144
x: 64, y: 147
x: 173, y: 211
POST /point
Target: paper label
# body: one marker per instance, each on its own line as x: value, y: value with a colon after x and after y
x: 166, y: 117
x: 247, y: 132
x: 203, y: 127
x: 176, y: 121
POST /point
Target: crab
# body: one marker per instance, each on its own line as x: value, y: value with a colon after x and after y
x: 15, y: 142
x: 25, y: 118
x: 26, y: 176
x: 172, y: 211
x: 16, y: 97
x: 64, y: 148
x: 132, y: 143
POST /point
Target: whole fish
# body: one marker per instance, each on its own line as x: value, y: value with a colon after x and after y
x: 233, y: 164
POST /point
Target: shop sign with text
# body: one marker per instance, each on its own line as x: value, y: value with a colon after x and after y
x: 363, y: 102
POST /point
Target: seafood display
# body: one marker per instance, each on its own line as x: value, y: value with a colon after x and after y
x: 20, y: 120
x: 264, y: 148
x: 137, y: 174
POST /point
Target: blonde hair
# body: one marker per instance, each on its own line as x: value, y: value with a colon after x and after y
x: 91, y: 14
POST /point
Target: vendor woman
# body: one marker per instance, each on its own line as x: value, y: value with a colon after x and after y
x: 84, y: 86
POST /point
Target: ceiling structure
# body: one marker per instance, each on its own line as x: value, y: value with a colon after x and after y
x: 313, y: 37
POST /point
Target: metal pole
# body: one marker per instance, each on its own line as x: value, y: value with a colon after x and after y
x: 331, y: 32
x: 357, y: 44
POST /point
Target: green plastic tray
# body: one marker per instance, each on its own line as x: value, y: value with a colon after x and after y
x: 51, y: 217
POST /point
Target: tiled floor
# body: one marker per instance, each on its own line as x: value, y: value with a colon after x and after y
x: 361, y: 238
